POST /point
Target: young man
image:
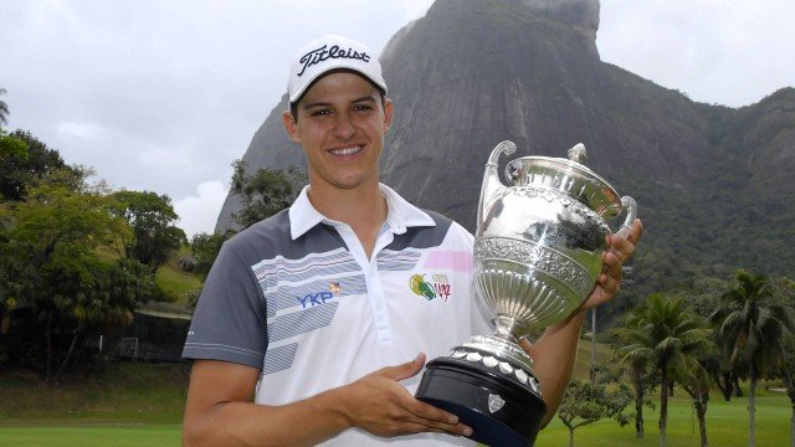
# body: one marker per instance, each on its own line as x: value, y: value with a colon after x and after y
x: 306, y: 320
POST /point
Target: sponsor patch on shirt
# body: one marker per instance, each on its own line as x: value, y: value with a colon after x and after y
x: 437, y: 286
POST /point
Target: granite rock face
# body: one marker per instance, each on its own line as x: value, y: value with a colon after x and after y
x: 582, y: 14
x: 713, y: 182
x: 473, y: 73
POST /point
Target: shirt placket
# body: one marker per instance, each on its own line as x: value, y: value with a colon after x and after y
x: 375, y: 288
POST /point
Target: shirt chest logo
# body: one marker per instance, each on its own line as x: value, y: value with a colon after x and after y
x: 315, y: 299
x: 437, y: 287
x: 320, y: 298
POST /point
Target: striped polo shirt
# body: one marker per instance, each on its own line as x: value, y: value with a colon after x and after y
x: 296, y: 297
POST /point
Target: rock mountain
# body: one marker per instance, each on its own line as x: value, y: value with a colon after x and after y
x: 473, y: 73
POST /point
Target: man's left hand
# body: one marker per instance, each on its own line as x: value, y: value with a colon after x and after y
x: 619, y: 250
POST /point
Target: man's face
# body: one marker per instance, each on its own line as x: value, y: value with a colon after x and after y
x: 341, y: 126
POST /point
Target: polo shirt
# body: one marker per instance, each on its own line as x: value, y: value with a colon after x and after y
x: 296, y: 297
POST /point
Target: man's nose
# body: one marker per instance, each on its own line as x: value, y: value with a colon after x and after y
x: 344, y: 128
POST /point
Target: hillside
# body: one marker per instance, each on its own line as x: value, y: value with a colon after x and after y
x: 712, y: 183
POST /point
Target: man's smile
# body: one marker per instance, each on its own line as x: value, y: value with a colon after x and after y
x: 343, y: 151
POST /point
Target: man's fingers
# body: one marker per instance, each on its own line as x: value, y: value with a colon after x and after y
x: 637, y: 231
x: 406, y: 370
x: 431, y: 413
x: 612, y: 265
x: 625, y: 247
x: 439, y: 426
x: 434, y: 417
x: 419, y: 426
x: 620, y: 247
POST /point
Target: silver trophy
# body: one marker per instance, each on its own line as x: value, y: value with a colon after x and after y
x: 538, y: 249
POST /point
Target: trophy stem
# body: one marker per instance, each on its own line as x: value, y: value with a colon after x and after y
x: 509, y: 328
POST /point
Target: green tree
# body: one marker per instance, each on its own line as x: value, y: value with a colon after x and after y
x: 154, y: 237
x: 750, y: 327
x: 695, y: 379
x: 703, y: 298
x: 51, y: 251
x: 585, y: 403
x: 124, y: 287
x: 261, y: 195
x: 265, y: 193
x: 662, y: 331
x: 9, y: 285
x: 10, y: 147
x: 205, y: 248
x: 3, y: 109
x: 18, y: 174
x: 641, y: 383
x: 785, y: 370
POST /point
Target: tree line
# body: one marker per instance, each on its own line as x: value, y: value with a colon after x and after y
x: 77, y: 258
x: 262, y: 194
x: 708, y: 337
x: 56, y: 230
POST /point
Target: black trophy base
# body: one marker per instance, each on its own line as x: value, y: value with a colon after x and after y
x: 502, y: 410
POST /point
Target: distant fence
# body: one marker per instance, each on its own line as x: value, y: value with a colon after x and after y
x: 158, y: 334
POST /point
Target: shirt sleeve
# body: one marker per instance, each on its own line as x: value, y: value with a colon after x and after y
x: 229, y: 323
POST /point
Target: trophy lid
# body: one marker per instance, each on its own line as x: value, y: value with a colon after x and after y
x: 568, y: 176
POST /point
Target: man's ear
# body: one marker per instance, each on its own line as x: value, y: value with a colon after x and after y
x: 291, y: 126
x: 389, y: 107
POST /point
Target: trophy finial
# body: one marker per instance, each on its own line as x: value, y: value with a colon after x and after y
x: 578, y: 153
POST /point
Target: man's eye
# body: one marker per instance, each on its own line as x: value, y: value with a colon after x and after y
x: 321, y: 112
x: 362, y: 107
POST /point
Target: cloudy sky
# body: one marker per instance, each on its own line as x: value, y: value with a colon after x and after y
x: 164, y: 95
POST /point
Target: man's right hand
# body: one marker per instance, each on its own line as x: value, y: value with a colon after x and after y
x: 378, y: 404
x: 220, y: 409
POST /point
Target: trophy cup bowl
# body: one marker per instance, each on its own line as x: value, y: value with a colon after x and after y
x: 537, y: 256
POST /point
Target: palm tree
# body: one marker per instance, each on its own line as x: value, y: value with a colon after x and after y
x: 3, y: 109
x: 750, y: 328
x: 667, y: 336
x: 695, y: 379
x: 641, y: 383
x: 786, y: 372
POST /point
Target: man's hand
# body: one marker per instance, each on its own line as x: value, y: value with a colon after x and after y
x: 377, y: 403
x: 619, y: 250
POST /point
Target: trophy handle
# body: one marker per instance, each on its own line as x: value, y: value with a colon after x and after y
x: 631, y: 207
x: 491, y: 180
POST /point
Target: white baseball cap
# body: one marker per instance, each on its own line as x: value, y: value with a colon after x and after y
x: 332, y: 53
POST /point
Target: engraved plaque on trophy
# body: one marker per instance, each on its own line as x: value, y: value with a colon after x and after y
x: 537, y: 254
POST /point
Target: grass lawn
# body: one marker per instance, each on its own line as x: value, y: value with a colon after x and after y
x: 140, y: 404
x: 727, y: 425
x: 171, y: 278
x: 92, y: 436
x: 127, y: 393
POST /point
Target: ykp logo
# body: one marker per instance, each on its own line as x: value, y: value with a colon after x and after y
x: 315, y: 299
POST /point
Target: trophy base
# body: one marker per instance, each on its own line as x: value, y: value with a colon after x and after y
x: 497, y: 398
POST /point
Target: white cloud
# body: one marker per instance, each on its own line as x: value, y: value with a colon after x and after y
x: 726, y: 52
x: 197, y: 214
x: 162, y: 96
x: 80, y: 130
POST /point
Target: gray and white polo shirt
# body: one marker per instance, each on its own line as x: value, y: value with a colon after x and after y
x: 296, y: 297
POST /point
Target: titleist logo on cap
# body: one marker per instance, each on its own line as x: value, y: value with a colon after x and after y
x: 321, y: 54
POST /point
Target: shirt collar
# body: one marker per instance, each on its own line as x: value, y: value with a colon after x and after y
x: 400, y: 215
